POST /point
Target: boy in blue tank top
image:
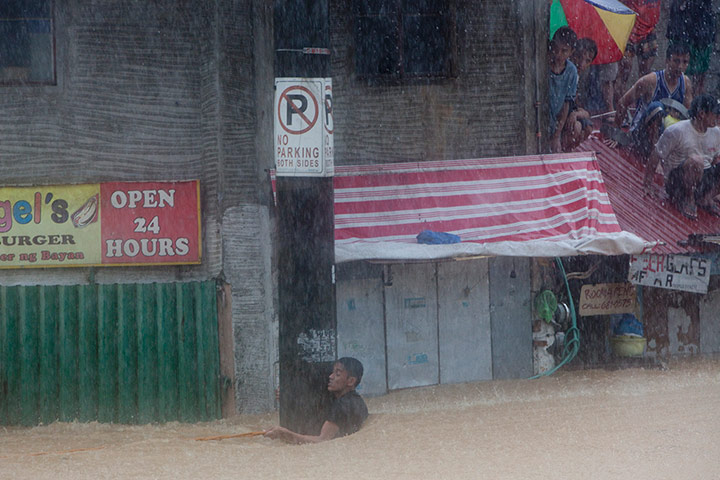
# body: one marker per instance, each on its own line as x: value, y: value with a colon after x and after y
x: 671, y: 82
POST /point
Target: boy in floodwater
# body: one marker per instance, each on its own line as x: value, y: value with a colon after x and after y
x: 347, y: 411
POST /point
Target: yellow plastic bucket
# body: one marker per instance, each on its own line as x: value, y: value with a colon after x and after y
x: 628, y: 346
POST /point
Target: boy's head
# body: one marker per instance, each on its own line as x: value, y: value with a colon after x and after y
x: 585, y: 52
x: 677, y: 48
x: 705, y: 108
x: 562, y: 44
x: 677, y: 58
x: 354, y: 368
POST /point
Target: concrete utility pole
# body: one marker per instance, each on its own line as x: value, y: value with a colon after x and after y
x: 305, y: 217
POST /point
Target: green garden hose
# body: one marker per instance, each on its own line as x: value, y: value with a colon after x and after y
x: 572, y: 336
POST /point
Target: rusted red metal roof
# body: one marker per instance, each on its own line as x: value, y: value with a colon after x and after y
x: 653, y: 220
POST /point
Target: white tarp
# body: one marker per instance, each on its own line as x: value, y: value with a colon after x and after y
x: 617, y: 244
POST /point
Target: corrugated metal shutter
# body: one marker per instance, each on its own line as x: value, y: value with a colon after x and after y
x: 131, y: 353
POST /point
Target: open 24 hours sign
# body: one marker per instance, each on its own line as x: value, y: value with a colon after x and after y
x: 101, y: 224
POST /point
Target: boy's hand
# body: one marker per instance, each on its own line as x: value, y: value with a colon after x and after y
x: 651, y: 191
x: 281, y: 433
x: 610, y: 143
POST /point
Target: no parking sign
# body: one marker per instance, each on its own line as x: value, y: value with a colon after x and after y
x: 303, y: 127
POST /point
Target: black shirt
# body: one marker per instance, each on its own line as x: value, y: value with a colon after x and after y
x: 348, y: 412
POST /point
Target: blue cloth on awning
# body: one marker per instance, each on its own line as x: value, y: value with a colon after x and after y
x: 428, y: 237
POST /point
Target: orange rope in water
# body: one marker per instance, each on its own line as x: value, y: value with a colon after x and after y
x: 59, y: 452
x: 237, y: 435
x: 74, y: 450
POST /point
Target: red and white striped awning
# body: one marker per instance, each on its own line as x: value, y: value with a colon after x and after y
x: 532, y: 206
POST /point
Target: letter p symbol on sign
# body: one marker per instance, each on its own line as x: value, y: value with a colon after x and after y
x: 293, y: 108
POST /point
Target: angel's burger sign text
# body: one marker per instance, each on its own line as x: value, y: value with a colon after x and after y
x: 115, y: 223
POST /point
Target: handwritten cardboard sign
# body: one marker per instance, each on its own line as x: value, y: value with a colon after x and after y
x: 607, y: 299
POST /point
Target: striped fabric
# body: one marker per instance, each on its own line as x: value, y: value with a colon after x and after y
x: 531, y: 206
x: 640, y: 214
x: 551, y: 197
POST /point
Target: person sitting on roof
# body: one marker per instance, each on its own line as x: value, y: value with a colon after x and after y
x: 578, y: 126
x: 648, y: 130
x: 690, y: 153
x: 562, y: 84
x: 671, y: 82
x: 642, y: 43
x: 674, y: 111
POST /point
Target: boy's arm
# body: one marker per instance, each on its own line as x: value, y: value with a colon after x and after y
x: 662, y: 149
x: 637, y: 91
x: 328, y: 431
x: 688, y: 92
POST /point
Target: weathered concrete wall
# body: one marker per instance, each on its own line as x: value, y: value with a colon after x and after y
x: 682, y: 323
x: 163, y: 90
x: 133, y: 102
x: 672, y: 322
x: 709, y: 324
x: 244, y: 76
x: 479, y: 113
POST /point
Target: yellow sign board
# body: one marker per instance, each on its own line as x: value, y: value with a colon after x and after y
x: 115, y: 223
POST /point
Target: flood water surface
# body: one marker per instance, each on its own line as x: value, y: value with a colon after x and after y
x: 645, y: 423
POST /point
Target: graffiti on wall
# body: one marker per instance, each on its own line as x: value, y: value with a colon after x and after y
x: 317, y: 345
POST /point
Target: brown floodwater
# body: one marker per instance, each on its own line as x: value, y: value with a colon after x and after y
x: 630, y: 423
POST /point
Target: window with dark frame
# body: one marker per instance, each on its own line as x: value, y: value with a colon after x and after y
x: 27, y: 42
x: 400, y: 39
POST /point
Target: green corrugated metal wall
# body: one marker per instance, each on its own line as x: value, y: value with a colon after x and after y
x: 135, y: 353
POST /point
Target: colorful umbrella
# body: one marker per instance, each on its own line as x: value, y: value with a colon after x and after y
x: 608, y: 22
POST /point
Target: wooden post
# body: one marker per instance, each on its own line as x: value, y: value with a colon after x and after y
x: 305, y: 250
